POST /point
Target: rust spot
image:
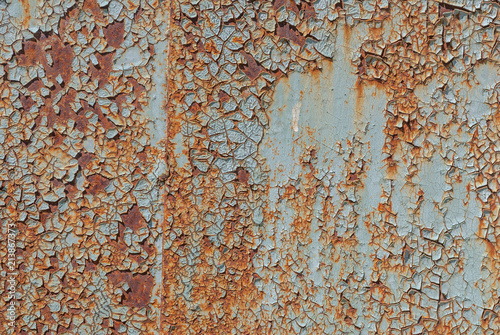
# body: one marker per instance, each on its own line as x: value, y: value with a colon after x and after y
x: 134, y: 219
x: 92, y: 7
x: 114, y: 34
x: 307, y: 9
x: 492, y: 248
x: 143, y: 156
x: 27, y: 102
x: 139, y: 90
x: 287, y: 31
x: 66, y: 112
x: 71, y: 191
x: 30, y: 54
x: 90, y: 266
x: 106, y: 124
x: 391, y: 167
x: 348, y: 33
x: 97, y: 184
x: 353, y: 177
x: 35, y: 85
x: 62, y: 55
x: 102, y: 70
x: 140, y: 287
x: 360, y: 98
x: 45, y: 215
x: 196, y: 171
x: 289, y: 4
x: 84, y: 158
x: 252, y: 69
x: 362, y: 63
x: 243, y: 176
x: 223, y: 97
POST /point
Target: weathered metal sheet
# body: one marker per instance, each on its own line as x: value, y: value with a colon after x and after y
x: 82, y: 87
x: 245, y: 167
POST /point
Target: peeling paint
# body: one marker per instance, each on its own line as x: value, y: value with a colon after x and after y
x: 251, y: 167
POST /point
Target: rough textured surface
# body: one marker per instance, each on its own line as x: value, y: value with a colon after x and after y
x: 79, y: 168
x: 251, y: 167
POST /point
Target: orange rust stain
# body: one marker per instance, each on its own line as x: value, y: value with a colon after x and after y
x: 102, y: 70
x: 71, y: 191
x: 139, y: 91
x: 376, y: 32
x: 492, y: 249
x: 237, y: 39
x: 348, y: 34
x: 496, y: 119
x: 27, y: 12
x: 360, y: 99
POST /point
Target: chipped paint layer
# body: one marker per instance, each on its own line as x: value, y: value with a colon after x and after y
x: 250, y: 167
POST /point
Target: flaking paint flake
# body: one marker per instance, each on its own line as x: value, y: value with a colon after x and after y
x: 250, y: 167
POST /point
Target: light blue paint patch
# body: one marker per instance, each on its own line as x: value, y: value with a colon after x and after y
x: 155, y: 110
x: 318, y: 111
x: 329, y: 106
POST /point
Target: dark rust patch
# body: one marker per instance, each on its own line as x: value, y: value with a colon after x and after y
x: 91, y: 6
x: 243, y: 176
x: 97, y: 183
x: 140, y: 287
x: 90, y: 266
x: 252, y: 69
x: 285, y: 30
x: 102, y: 70
x: 114, y: 34
x: 291, y: 5
x: 66, y: 112
x: 446, y: 8
x: 85, y: 158
x: 307, y: 9
x: 62, y: 57
x: 134, y: 219
x: 33, y: 52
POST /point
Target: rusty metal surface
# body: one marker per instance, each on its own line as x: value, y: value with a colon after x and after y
x: 250, y: 167
x: 81, y: 161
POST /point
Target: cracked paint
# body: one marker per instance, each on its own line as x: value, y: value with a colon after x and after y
x: 251, y: 167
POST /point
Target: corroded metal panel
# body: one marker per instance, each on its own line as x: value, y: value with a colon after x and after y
x: 249, y: 167
x: 81, y: 122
